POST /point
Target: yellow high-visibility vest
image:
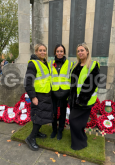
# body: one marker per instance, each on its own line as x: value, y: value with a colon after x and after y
x: 82, y: 77
x: 42, y: 82
x: 63, y: 79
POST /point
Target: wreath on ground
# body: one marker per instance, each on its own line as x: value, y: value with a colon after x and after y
x: 2, y: 109
x: 23, y: 116
x: 107, y: 110
x: 105, y: 124
x: 9, y: 115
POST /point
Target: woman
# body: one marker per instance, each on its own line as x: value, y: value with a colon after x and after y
x: 83, y: 94
x: 60, y: 88
x: 39, y: 72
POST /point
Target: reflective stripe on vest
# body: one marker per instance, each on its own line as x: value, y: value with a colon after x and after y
x: 94, y: 94
x: 63, y: 79
x: 42, y: 82
x: 80, y: 85
x: 42, y: 72
x: 59, y: 83
x: 82, y: 77
x: 62, y: 75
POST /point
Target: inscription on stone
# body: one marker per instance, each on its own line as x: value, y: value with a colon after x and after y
x: 103, y: 77
x: 102, y: 28
x: 55, y: 25
x: 77, y: 25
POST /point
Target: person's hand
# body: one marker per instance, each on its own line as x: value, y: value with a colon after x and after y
x: 35, y: 101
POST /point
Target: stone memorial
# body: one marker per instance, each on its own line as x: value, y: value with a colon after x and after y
x: 55, y: 25
x: 102, y: 28
x: 77, y: 25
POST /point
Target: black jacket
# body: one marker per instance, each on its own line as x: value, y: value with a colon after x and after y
x: 31, y: 70
x: 43, y: 112
x: 60, y: 94
x: 84, y: 96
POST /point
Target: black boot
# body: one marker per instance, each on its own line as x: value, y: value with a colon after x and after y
x: 31, y: 142
x: 53, y: 135
x: 59, y: 135
x: 41, y: 135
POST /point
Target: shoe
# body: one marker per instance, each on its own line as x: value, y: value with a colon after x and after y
x: 53, y: 135
x: 59, y: 135
x: 41, y: 135
x: 32, y: 143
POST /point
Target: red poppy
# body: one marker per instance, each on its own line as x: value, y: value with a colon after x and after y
x: 55, y: 65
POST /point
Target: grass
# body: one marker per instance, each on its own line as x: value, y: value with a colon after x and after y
x: 94, y: 152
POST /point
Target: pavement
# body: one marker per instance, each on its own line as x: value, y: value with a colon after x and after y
x: 15, y: 153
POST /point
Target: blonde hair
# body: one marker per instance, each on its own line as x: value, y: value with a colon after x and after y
x: 36, y: 47
x: 88, y: 61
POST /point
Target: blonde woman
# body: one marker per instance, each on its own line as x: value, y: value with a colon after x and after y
x: 83, y: 94
x: 39, y: 72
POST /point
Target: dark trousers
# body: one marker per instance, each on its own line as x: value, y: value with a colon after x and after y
x: 63, y: 104
x: 35, y: 130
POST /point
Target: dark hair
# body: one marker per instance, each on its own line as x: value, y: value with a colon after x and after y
x: 58, y: 45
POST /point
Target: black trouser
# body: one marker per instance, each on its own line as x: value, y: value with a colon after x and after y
x: 35, y: 130
x: 63, y: 105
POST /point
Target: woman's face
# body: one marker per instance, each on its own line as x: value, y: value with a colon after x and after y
x: 59, y: 52
x: 82, y: 53
x: 41, y: 53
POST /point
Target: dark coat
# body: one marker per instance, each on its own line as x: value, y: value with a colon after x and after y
x: 43, y: 112
x: 84, y: 97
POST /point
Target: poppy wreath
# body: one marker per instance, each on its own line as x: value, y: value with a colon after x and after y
x: 2, y: 111
x: 22, y: 98
x: 18, y: 110
x: 9, y: 117
x: 102, y: 108
x: 105, y: 124
x: 93, y: 116
x: 17, y: 105
x: 21, y: 120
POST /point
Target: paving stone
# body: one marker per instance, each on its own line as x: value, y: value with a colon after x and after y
x: 109, y: 146
x: 45, y: 159
x: 6, y: 128
x: 22, y: 155
x: 4, y: 145
x: 110, y: 155
x: 4, y: 162
x: 110, y: 137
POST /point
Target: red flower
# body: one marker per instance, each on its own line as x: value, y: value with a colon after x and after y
x: 55, y: 65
